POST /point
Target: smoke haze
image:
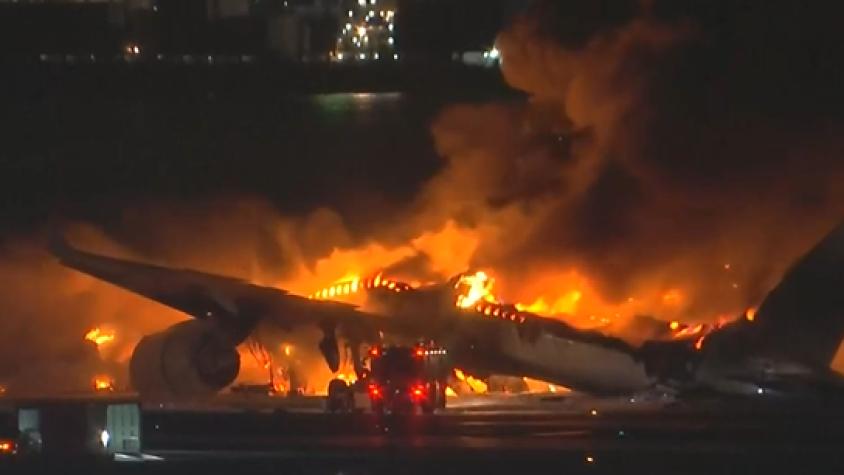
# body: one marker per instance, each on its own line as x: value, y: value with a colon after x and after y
x: 669, y: 159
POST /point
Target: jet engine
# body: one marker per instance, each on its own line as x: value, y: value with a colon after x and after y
x: 189, y: 359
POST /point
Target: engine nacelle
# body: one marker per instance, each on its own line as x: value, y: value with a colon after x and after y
x: 189, y: 359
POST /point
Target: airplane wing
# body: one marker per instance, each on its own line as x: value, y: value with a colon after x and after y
x: 233, y: 304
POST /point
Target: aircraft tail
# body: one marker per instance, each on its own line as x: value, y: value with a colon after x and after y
x: 804, y: 315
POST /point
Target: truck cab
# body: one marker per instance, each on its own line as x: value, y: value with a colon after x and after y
x: 398, y: 380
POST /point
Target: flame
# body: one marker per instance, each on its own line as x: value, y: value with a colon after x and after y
x: 566, y: 305
x: 478, y: 288
x: 100, y: 336
x: 476, y: 385
x: 699, y: 342
x: 674, y: 325
x: 354, y: 285
x: 103, y: 382
x: 538, y: 386
x: 450, y: 392
x: 690, y: 331
x: 750, y: 314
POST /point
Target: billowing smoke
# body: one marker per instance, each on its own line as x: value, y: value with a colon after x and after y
x: 671, y: 151
x: 670, y: 159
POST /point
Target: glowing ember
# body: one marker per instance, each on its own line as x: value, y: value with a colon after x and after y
x: 287, y: 349
x: 699, y: 343
x: 100, y: 336
x: 674, y: 325
x: 103, y: 383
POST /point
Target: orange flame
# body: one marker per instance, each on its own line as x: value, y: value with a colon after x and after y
x: 690, y: 331
x: 567, y: 304
x: 103, y: 383
x: 476, y: 385
x: 350, y: 377
x: 477, y: 288
x: 353, y: 286
x: 750, y: 314
x: 100, y: 336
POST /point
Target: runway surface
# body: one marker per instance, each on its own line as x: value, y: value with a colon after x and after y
x: 570, y: 438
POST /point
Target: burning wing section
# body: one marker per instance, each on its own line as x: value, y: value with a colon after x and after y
x: 199, y: 357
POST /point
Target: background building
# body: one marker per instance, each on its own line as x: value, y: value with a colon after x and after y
x: 368, y: 31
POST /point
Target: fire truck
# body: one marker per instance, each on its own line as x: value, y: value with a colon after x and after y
x: 398, y: 380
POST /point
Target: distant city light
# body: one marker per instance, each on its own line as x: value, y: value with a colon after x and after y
x: 396, y: 56
x: 364, y: 38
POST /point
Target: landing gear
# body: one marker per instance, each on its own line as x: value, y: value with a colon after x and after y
x: 340, y: 397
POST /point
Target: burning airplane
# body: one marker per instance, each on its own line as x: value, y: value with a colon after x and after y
x: 783, y: 347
